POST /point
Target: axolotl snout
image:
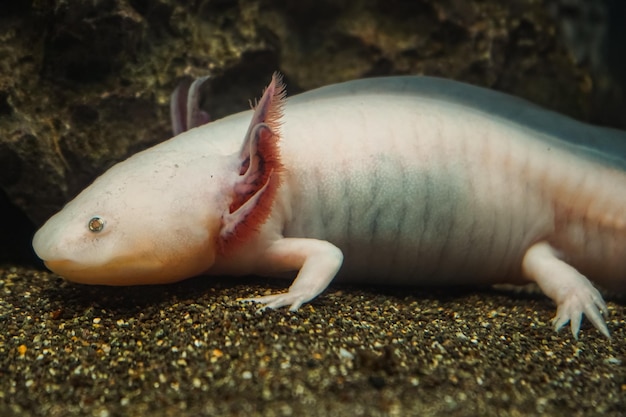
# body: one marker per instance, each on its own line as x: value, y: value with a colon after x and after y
x: 398, y: 180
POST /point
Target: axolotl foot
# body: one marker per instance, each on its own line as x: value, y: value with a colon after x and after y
x: 568, y: 288
x: 294, y: 301
x: 577, y: 300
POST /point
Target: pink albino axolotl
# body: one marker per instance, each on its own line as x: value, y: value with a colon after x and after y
x: 401, y: 180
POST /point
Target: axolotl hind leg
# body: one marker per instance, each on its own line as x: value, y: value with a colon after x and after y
x: 568, y: 288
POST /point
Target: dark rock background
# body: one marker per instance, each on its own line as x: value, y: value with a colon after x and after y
x: 84, y: 84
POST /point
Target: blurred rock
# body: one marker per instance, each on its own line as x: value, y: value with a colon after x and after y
x: 595, y: 34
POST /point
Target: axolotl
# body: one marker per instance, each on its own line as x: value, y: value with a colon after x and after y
x: 406, y: 180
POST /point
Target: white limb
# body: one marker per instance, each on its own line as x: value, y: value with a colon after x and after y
x: 318, y: 262
x: 568, y: 288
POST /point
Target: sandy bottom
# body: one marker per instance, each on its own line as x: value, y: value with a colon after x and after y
x: 191, y: 349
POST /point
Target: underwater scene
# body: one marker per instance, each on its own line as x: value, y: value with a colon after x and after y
x: 312, y: 208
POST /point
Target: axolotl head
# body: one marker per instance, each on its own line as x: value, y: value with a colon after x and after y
x: 169, y: 212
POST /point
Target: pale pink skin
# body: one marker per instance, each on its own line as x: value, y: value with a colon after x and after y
x: 402, y: 180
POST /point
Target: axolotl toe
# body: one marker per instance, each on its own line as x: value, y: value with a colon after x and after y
x: 400, y: 180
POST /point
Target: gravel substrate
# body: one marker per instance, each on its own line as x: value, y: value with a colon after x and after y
x: 192, y: 349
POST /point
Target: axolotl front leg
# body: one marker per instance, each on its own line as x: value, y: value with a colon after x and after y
x: 317, y: 263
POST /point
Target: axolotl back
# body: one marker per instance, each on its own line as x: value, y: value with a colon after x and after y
x: 399, y: 180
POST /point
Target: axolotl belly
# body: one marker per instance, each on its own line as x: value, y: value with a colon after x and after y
x: 399, y: 180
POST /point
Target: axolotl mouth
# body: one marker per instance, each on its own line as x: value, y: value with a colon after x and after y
x: 116, y: 272
x: 121, y: 271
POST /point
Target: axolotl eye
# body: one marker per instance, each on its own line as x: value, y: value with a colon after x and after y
x: 96, y: 224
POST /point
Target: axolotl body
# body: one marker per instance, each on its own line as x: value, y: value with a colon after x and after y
x: 400, y: 180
